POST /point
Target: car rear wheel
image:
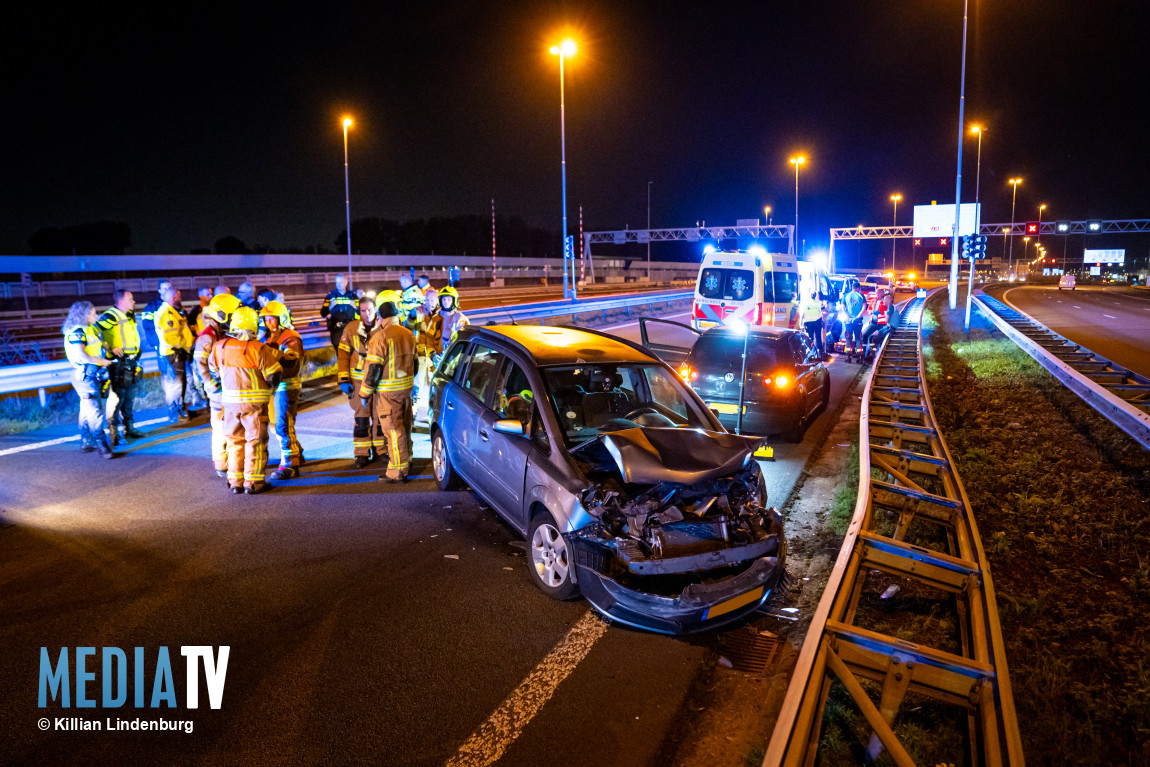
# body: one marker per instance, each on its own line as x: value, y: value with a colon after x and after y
x: 550, y: 558
x: 795, y: 432
x: 445, y: 475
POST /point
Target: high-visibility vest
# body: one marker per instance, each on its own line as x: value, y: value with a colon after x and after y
x: 240, y: 370
x: 83, y: 338
x: 290, y: 346
x: 120, y: 331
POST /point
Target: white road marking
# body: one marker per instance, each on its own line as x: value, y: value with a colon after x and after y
x: 489, y: 742
x: 1076, y: 306
x: 62, y: 440
x: 1111, y: 316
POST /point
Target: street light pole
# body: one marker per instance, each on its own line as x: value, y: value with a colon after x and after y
x: 958, y: 175
x: 796, y: 161
x: 978, y: 131
x: 1038, y: 238
x: 347, y: 199
x: 894, y: 225
x: 564, y: 49
x: 1013, y: 199
x: 649, y: 231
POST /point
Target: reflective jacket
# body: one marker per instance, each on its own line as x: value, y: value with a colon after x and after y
x: 426, y: 341
x: 444, y: 328
x: 351, y: 354
x: 290, y: 346
x: 812, y: 310
x: 146, y: 318
x: 172, y: 330
x: 243, y: 371
x: 83, y: 339
x: 390, y: 366
x: 411, y: 299
x: 119, y: 331
x: 204, y: 343
x: 339, y: 307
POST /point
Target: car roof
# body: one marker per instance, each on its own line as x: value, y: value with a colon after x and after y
x: 550, y: 345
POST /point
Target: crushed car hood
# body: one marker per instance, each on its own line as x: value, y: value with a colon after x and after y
x: 651, y: 455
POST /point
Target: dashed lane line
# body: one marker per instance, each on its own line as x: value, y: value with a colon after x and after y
x: 1111, y: 316
x: 491, y: 740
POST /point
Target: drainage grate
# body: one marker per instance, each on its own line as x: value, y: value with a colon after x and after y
x: 751, y: 651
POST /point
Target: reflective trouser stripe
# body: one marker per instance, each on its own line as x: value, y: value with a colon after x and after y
x: 246, y: 428
x: 365, y: 433
x: 282, y: 412
x: 394, y: 413
x: 246, y: 397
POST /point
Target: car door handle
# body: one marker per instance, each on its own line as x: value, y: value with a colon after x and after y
x: 483, y: 435
x: 450, y: 406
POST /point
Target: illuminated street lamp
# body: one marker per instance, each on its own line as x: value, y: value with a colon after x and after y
x: 1039, y: 232
x: 767, y: 214
x: 347, y: 198
x: 564, y: 50
x: 796, y: 161
x: 894, y: 224
x: 1014, y: 182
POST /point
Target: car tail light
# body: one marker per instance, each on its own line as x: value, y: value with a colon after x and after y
x: 687, y: 373
x: 782, y: 382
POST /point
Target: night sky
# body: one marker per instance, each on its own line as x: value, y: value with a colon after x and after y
x: 195, y: 122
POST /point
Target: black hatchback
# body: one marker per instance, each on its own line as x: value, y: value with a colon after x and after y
x: 786, y: 383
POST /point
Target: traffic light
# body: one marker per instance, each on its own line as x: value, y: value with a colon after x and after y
x: 974, y: 246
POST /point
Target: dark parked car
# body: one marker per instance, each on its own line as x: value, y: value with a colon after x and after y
x: 625, y: 485
x: 787, y: 384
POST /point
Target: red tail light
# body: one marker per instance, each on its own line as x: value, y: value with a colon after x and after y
x: 780, y: 381
x: 687, y: 373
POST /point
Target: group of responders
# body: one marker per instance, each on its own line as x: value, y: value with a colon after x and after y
x: 79, y: 724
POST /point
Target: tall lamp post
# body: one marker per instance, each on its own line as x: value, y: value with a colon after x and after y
x: 796, y: 161
x: 1025, y: 243
x: 347, y: 199
x: 767, y: 214
x: 958, y: 175
x: 1013, y: 199
x: 1038, y: 238
x: 894, y: 224
x: 977, y: 131
x: 564, y: 50
x: 649, y: 231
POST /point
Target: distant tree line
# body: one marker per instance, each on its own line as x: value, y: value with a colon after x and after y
x: 102, y: 238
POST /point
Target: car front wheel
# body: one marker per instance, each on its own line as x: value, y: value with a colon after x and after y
x: 445, y: 475
x: 551, y: 560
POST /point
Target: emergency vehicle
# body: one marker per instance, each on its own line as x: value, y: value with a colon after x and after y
x: 754, y: 286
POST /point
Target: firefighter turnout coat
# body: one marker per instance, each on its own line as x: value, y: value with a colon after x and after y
x: 390, y: 374
x: 245, y: 372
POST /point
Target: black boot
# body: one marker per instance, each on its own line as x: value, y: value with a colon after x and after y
x: 131, y: 432
x: 103, y: 446
x: 113, y: 434
x: 87, y: 443
x: 361, y: 461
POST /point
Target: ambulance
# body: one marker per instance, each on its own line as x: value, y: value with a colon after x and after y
x: 754, y: 286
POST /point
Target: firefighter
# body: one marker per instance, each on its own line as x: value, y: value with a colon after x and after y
x: 412, y: 299
x: 195, y: 316
x: 339, y: 308
x: 121, y: 337
x: 282, y: 337
x: 389, y: 374
x: 245, y: 372
x: 446, y: 325
x: 85, y: 350
x: 351, y: 355
x: 425, y: 345
x: 216, y: 316
x: 175, y: 346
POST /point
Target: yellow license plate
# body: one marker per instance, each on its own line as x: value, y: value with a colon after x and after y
x: 765, y: 452
x: 704, y: 324
x: 726, y: 408
x: 734, y: 603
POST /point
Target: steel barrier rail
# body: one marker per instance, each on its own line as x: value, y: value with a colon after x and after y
x: 905, y: 477
x: 20, y: 378
x: 1120, y: 395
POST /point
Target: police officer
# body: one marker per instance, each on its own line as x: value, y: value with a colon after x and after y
x: 411, y: 300
x: 811, y: 315
x: 339, y: 307
x: 351, y: 356
x: 85, y: 350
x: 175, y: 350
x: 281, y: 336
x: 389, y: 374
x: 245, y: 372
x: 216, y: 317
x: 121, y: 338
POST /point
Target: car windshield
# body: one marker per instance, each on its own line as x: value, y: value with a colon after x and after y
x: 593, y: 399
x: 719, y: 353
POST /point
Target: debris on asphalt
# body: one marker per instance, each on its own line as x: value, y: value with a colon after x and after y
x: 891, y: 590
x: 724, y: 662
x: 451, y: 556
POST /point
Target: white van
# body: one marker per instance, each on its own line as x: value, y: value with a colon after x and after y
x: 1066, y: 281
x: 757, y: 287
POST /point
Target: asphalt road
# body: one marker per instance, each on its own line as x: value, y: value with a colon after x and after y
x: 1112, y: 322
x: 367, y: 622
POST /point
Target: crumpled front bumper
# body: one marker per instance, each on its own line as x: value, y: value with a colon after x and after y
x: 698, y: 607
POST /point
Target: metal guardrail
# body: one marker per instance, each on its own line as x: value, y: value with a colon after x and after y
x: 1119, y: 394
x: 906, y: 478
x: 44, y: 375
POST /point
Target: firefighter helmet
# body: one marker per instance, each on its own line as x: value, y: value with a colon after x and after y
x: 388, y: 297
x: 453, y: 294
x: 279, y: 311
x: 245, y: 319
x: 220, y: 308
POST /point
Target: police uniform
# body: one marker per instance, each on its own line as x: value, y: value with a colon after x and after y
x: 245, y: 373
x: 175, y: 345
x: 119, y: 331
x: 285, y: 399
x: 340, y: 308
x: 86, y: 380
x: 351, y: 357
x: 389, y: 375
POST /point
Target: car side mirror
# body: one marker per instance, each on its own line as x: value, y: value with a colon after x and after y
x: 509, y: 426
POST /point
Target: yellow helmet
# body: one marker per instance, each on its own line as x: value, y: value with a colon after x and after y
x: 220, y: 308
x: 388, y: 297
x: 279, y: 311
x: 245, y: 319
x: 449, y: 292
